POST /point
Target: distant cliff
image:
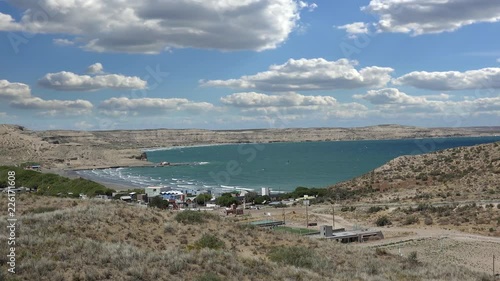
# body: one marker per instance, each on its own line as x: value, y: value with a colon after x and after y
x: 88, y: 149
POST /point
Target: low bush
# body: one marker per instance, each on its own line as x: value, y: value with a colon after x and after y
x: 294, y: 255
x: 158, y: 202
x: 374, y: 209
x: 412, y: 259
x: 410, y: 220
x: 209, y: 241
x: 428, y: 221
x: 208, y: 277
x: 40, y: 210
x: 193, y: 217
x: 383, y: 221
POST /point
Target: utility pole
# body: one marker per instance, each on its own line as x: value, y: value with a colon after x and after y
x: 284, y: 221
x: 333, y: 215
x: 307, y: 216
x: 494, y: 277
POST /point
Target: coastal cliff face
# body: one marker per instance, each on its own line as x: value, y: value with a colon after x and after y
x: 94, y: 149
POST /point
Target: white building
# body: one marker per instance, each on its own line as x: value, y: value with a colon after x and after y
x: 153, y: 191
x: 265, y: 191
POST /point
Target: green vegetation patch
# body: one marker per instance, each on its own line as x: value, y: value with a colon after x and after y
x: 294, y: 256
x: 194, y: 217
x: 383, y: 221
x: 52, y: 184
x: 209, y: 276
x: 294, y: 230
x: 41, y: 210
x: 209, y: 241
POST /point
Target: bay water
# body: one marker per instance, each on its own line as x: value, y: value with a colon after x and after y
x: 280, y: 166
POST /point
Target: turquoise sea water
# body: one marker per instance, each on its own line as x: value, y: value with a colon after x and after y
x: 280, y: 166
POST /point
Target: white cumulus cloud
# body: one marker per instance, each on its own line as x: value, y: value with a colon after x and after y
x: 310, y: 74
x: 253, y: 99
x: 431, y: 16
x: 63, y: 42
x: 152, y: 26
x: 14, y: 91
x: 292, y: 105
x: 69, y: 81
x: 486, y: 78
x: 95, y: 68
x: 18, y: 95
x: 393, y: 101
x: 55, y: 107
x: 126, y: 106
x: 355, y: 28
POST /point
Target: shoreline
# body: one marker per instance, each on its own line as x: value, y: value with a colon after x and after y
x: 72, y: 174
x: 147, y: 163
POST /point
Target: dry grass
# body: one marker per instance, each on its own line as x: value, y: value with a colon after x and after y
x: 96, y: 240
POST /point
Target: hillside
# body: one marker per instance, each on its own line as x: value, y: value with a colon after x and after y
x: 93, y: 149
x: 68, y: 239
x: 461, y: 173
x: 456, y: 188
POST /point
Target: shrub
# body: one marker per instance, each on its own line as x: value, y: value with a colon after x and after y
x: 192, y: 217
x: 412, y: 258
x: 374, y: 209
x: 203, y: 198
x: 294, y: 255
x: 226, y: 200
x: 158, y: 202
x: 383, y: 221
x: 410, y: 220
x: 40, y: 210
x: 348, y: 209
x: 169, y: 228
x: 428, y: 221
x: 209, y: 241
x: 381, y: 252
x: 208, y: 277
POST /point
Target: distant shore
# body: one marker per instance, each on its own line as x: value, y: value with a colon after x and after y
x: 77, y: 150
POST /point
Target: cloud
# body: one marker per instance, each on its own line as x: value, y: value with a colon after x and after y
x: 54, y: 107
x: 422, y: 17
x: 14, y: 91
x: 126, y: 106
x: 7, y: 22
x: 393, y: 101
x: 291, y: 105
x: 152, y: 26
x: 309, y: 74
x: 96, y: 68
x: 19, y: 96
x: 354, y: 29
x: 310, y: 7
x: 62, y: 42
x: 486, y: 78
x: 390, y: 96
x: 253, y: 99
x: 69, y: 81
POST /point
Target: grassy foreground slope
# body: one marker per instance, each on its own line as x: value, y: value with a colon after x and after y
x: 68, y: 239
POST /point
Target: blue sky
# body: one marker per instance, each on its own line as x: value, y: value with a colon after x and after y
x: 235, y: 64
